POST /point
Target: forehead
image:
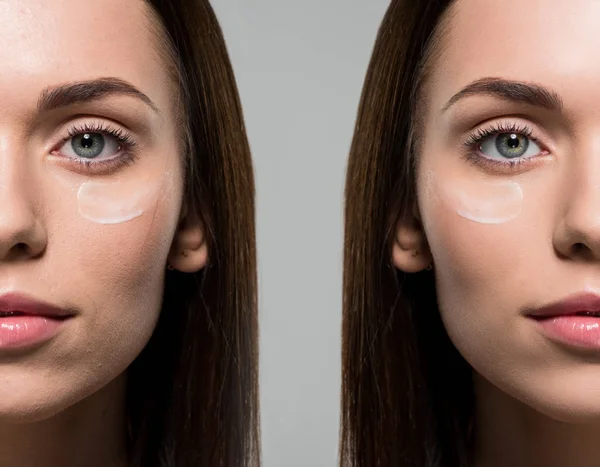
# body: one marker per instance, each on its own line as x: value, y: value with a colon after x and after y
x: 550, y: 42
x: 57, y: 41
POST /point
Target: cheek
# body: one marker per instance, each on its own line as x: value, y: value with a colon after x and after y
x: 484, y: 245
x: 122, y: 231
x: 114, y: 241
x: 470, y: 226
x: 118, y: 228
x: 118, y: 237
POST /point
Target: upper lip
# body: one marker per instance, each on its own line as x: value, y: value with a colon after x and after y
x: 21, y: 303
x: 578, y: 303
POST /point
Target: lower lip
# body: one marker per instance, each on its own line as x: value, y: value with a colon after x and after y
x: 24, y: 331
x: 578, y: 331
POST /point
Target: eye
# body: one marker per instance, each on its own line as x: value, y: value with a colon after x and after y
x: 509, y: 146
x: 91, y: 146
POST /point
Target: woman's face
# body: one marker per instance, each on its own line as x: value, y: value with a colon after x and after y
x: 91, y: 238
x: 512, y: 219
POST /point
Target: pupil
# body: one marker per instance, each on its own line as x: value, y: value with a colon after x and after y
x: 513, y: 141
x: 86, y: 141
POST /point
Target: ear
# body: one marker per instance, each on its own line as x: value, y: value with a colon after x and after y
x: 189, y: 252
x: 410, y: 252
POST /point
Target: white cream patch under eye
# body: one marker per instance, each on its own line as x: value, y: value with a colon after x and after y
x: 483, y: 201
x: 495, y: 203
x: 116, y: 199
x: 114, y: 202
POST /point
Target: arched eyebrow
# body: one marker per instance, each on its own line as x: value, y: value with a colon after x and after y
x: 515, y: 91
x: 54, y: 97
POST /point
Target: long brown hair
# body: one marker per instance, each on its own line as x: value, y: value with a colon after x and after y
x: 407, y: 398
x: 193, y: 391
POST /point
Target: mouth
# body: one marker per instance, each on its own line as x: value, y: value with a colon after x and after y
x: 574, y: 321
x: 10, y: 314
x: 26, y: 322
x: 19, y: 305
x: 589, y: 314
x: 585, y: 304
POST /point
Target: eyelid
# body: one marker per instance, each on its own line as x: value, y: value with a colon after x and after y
x: 474, y: 155
x: 62, y: 134
x: 98, y: 166
x: 123, y: 137
x: 498, y: 126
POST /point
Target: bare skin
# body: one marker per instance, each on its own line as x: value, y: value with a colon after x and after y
x: 538, y: 403
x: 62, y: 403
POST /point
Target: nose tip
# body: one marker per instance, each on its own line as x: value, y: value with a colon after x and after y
x: 578, y: 232
x: 21, y: 232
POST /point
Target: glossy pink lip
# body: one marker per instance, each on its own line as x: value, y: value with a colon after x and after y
x: 585, y: 302
x: 19, y: 303
x: 35, y: 322
x: 565, y: 321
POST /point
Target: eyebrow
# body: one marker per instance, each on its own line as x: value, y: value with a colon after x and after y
x: 515, y: 91
x: 54, y: 97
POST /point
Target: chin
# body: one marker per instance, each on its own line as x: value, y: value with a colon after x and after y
x: 573, y: 408
x: 21, y: 410
x: 568, y: 395
x: 30, y: 400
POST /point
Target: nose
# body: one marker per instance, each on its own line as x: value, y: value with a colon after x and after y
x: 22, y: 234
x: 578, y: 233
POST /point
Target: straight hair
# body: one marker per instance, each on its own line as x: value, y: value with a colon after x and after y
x: 407, y: 396
x: 192, y: 394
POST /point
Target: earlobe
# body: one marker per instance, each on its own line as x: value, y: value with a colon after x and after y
x: 189, y: 251
x: 410, y: 251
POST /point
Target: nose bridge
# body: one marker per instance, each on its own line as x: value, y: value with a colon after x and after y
x: 16, y: 177
x: 581, y: 194
x: 19, y: 223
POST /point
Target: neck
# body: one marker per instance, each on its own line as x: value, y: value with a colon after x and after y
x: 508, y: 432
x: 92, y: 432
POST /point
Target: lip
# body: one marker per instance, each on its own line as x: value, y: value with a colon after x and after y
x: 578, y: 303
x: 21, y: 303
x: 36, y: 322
x: 560, y: 322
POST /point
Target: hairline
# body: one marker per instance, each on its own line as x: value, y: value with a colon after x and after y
x: 166, y: 51
x: 432, y: 54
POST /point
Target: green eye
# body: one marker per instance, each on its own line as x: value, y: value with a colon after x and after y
x: 509, y: 146
x: 88, y: 145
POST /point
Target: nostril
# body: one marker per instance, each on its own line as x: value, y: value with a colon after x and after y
x: 579, y: 248
x: 22, y: 247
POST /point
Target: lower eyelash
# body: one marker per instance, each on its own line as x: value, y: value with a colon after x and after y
x: 124, y: 159
x: 481, y: 161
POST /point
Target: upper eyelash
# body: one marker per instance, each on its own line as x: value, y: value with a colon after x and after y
x: 498, y: 128
x: 122, y: 137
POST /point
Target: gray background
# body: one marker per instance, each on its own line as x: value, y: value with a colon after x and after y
x: 300, y: 66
